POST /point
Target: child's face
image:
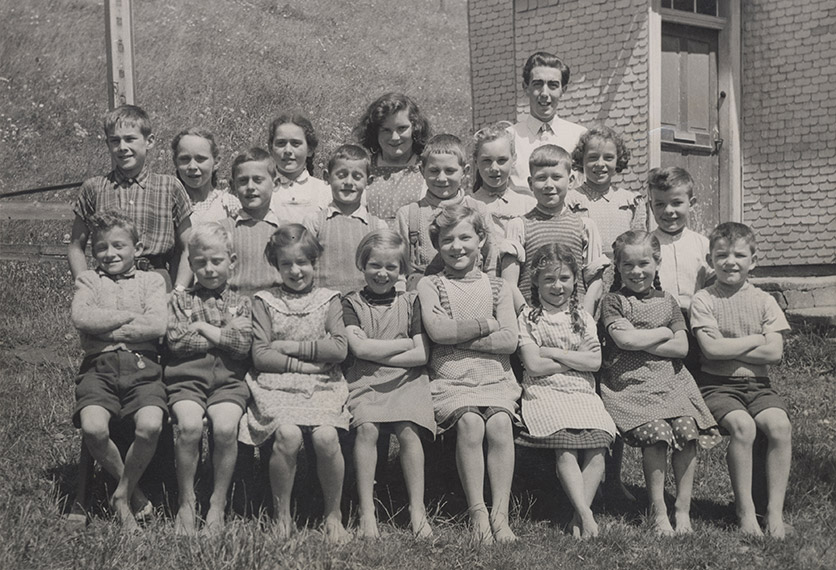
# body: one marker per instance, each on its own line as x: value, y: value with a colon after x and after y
x: 443, y: 174
x: 599, y: 160
x: 637, y: 268
x: 395, y: 138
x: 459, y: 247
x: 211, y: 264
x: 544, y: 90
x: 290, y: 149
x: 555, y: 284
x: 494, y: 162
x: 195, y: 162
x: 671, y: 208
x: 296, y: 269
x: 129, y: 147
x: 115, y: 250
x: 549, y: 184
x: 732, y: 261
x: 348, y: 180
x: 253, y: 185
x: 382, y: 269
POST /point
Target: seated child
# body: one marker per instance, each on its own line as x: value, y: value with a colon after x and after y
x: 120, y: 315
x: 739, y: 328
x: 389, y: 390
x: 342, y: 225
x: 209, y: 337
x: 253, y: 172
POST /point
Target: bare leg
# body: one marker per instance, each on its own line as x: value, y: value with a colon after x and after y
x: 654, y: 461
x: 775, y: 424
x: 742, y: 429
x: 365, y: 463
x: 148, y: 422
x: 225, y: 417
x: 500, y: 437
x: 684, y: 468
x: 286, y: 445
x: 470, y: 462
x: 571, y: 479
x: 412, y: 465
x: 592, y: 468
x: 189, y: 416
x: 330, y: 467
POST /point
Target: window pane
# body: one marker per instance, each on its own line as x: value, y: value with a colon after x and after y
x: 667, y: 3
x: 684, y: 5
x: 707, y: 7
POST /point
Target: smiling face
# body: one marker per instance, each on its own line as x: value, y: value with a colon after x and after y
x: 732, y: 262
x: 290, y: 150
x: 395, y: 138
x: 544, y: 90
x: 671, y: 208
x: 637, y: 267
x: 459, y: 247
x: 382, y: 270
x: 128, y: 148
x: 555, y: 285
x: 211, y: 264
x: 443, y: 174
x: 599, y: 162
x: 348, y: 179
x: 549, y: 184
x: 115, y: 250
x: 254, y: 186
x: 494, y: 162
x: 296, y: 269
x: 195, y: 162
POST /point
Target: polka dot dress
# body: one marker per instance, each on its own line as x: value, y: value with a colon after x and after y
x: 675, y: 432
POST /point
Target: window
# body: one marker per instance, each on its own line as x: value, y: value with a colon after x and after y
x: 703, y: 7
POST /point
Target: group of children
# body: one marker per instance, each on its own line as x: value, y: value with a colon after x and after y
x: 302, y: 308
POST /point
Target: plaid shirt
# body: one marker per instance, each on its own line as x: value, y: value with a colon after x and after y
x: 157, y: 203
x: 216, y: 307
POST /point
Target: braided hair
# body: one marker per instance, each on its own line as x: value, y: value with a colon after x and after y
x: 635, y: 237
x: 551, y: 256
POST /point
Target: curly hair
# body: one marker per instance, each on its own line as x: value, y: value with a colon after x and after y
x: 102, y: 222
x: 603, y: 133
x: 545, y: 59
x: 368, y: 128
x: 553, y: 257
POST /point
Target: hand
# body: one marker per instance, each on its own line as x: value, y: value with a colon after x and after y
x: 286, y: 347
x: 358, y: 332
x: 438, y: 311
x: 197, y: 327
x: 243, y: 324
x: 493, y: 326
x: 622, y: 324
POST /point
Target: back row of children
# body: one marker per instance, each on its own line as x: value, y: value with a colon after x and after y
x: 260, y: 277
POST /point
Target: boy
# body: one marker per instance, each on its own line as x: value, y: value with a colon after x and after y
x: 344, y: 223
x: 443, y: 166
x: 253, y: 176
x: 551, y: 222
x: 739, y: 330
x: 157, y: 203
x: 544, y: 79
x: 209, y: 337
x: 120, y: 315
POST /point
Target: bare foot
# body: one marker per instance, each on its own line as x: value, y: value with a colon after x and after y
x: 575, y: 527
x: 284, y: 526
x: 420, y: 525
x: 184, y: 522
x: 683, y: 522
x: 122, y: 508
x: 749, y: 526
x: 502, y: 532
x: 589, y: 528
x: 662, y: 525
x: 368, y: 528
x: 776, y: 528
x: 141, y: 506
x: 214, y: 522
x: 481, y: 524
x: 335, y: 532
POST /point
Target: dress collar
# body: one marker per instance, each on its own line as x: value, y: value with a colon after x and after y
x: 270, y: 217
x: 301, y: 179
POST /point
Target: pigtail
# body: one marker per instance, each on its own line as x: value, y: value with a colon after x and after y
x: 537, y: 309
x: 578, y: 324
x: 616, y: 281
x: 657, y: 283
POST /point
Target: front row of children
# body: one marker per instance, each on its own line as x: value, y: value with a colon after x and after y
x: 303, y: 381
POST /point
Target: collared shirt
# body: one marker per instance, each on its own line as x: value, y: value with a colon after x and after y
x: 216, y: 307
x: 615, y: 211
x: 528, y: 136
x: 157, y: 203
x: 684, y: 269
x: 293, y: 200
x: 314, y: 222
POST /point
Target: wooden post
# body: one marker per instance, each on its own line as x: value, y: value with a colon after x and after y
x: 119, y: 36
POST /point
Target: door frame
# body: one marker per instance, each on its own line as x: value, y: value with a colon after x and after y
x: 728, y: 26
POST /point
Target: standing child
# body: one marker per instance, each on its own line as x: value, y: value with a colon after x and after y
x: 209, y: 337
x: 388, y: 385
x: 560, y: 351
x: 343, y: 224
x: 646, y: 389
x: 120, y: 315
x: 297, y: 386
x: 470, y: 318
x: 196, y: 159
x: 739, y: 328
x: 395, y: 132
x: 292, y: 141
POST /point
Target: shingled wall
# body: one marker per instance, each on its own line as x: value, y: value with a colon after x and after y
x: 492, y: 64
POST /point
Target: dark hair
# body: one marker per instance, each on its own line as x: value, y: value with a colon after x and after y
x: 349, y: 152
x: 254, y: 154
x: 668, y: 178
x: 545, y: 59
x: 383, y: 239
x: 444, y: 144
x: 547, y: 256
x: 127, y: 115
x: 213, y: 146
x: 549, y: 155
x: 106, y: 220
x: 730, y: 232
x: 449, y: 216
x: 635, y: 237
x: 288, y: 236
x: 489, y: 134
x: 302, y: 122
x: 367, y: 130
x: 604, y: 133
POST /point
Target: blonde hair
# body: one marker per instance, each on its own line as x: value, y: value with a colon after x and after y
x: 208, y: 234
x: 450, y: 216
x: 489, y: 134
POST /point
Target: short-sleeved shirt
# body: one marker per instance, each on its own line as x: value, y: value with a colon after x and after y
x: 684, y: 269
x: 530, y: 134
x: 744, y: 312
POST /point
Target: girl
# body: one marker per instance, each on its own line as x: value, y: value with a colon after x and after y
x: 395, y: 132
x: 560, y: 350
x: 470, y: 319
x: 649, y: 393
x: 292, y: 142
x: 297, y: 387
x: 196, y: 159
x: 388, y: 385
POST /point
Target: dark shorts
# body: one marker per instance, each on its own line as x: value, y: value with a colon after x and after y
x: 119, y: 381
x: 724, y: 394
x: 198, y: 391
x: 207, y: 380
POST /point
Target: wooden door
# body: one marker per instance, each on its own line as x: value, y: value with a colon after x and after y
x: 689, y: 129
